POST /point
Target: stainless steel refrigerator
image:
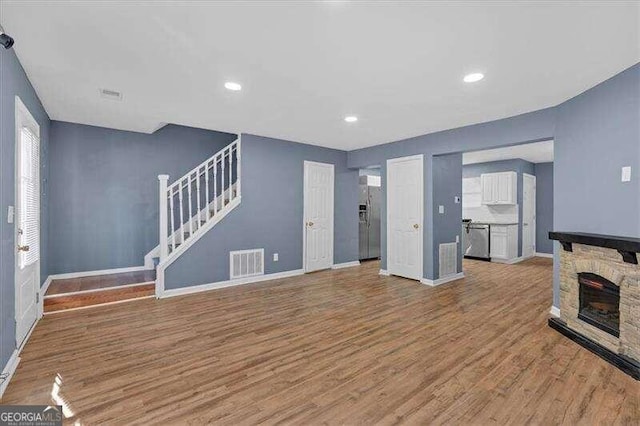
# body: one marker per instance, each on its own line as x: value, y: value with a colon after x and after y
x: 370, y: 202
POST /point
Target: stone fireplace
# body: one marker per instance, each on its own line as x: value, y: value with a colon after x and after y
x: 600, y: 296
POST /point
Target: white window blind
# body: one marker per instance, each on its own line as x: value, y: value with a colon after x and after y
x: 29, y: 233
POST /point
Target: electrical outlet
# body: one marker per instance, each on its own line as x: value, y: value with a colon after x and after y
x: 275, y: 257
x: 441, y: 209
x: 456, y: 200
x: 626, y: 174
x: 457, y: 238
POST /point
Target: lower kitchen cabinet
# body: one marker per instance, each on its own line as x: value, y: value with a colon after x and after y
x: 504, y: 242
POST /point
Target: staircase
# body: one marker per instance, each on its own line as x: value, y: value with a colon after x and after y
x: 194, y: 203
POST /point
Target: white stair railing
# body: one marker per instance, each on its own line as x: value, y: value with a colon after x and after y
x: 188, y: 205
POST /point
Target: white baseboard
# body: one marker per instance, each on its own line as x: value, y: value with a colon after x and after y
x: 442, y: 280
x: 549, y: 255
x: 230, y: 283
x: 346, y: 264
x: 43, y: 291
x: 384, y: 272
x: 94, y: 273
x: 555, y: 311
x: 8, y: 371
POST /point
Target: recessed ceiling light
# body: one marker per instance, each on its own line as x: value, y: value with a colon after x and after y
x: 351, y: 119
x: 230, y: 85
x: 472, y: 78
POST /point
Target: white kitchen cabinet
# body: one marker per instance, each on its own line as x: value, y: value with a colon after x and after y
x: 499, y: 188
x: 503, y: 242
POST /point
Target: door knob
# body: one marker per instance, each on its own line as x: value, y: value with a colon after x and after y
x: 23, y: 248
x: 416, y: 226
x: 310, y: 223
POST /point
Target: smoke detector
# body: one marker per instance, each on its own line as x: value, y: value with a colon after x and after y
x: 111, y: 94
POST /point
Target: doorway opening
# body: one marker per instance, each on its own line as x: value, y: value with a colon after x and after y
x: 507, y: 203
x: 369, y: 211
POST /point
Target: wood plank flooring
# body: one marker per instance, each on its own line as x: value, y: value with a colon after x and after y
x: 83, y: 292
x: 92, y: 298
x: 336, y: 347
x: 71, y: 285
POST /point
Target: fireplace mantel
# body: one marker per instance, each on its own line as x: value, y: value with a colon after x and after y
x: 626, y: 246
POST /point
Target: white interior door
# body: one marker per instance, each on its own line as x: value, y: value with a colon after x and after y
x: 528, y: 215
x: 318, y: 216
x: 405, y: 189
x: 27, y: 221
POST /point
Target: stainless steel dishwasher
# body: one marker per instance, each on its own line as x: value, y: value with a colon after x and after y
x: 475, y: 240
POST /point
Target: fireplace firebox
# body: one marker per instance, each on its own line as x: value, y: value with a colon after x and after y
x: 599, y: 303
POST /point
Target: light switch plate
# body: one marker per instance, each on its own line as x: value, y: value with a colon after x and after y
x: 441, y: 209
x: 457, y: 238
x: 10, y: 214
x: 626, y: 174
x: 275, y: 257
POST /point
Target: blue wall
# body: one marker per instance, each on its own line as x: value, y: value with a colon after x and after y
x: 447, y: 184
x: 14, y: 82
x: 598, y: 132
x: 517, y: 165
x: 104, y: 190
x: 270, y: 215
x: 544, y: 207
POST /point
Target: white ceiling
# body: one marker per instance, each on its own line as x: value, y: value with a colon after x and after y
x: 398, y: 66
x: 539, y: 152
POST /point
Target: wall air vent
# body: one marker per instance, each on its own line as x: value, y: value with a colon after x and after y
x: 246, y: 263
x: 448, y: 259
x: 111, y: 94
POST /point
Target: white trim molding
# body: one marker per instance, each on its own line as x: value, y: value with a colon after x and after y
x: 9, y: 370
x: 443, y: 280
x: 346, y: 264
x: 549, y: 255
x: 384, y: 272
x: 555, y: 311
x: 230, y: 283
x: 94, y: 273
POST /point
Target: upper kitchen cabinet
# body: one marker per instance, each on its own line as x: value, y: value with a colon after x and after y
x: 499, y: 188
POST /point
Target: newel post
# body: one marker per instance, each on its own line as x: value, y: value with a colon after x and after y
x: 238, y: 166
x: 164, y: 179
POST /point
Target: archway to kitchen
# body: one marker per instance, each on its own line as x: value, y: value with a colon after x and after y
x: 506, y: 204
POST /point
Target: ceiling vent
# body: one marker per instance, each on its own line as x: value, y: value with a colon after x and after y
x: 111, y: 94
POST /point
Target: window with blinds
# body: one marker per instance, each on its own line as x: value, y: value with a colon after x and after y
x: 29, y: 203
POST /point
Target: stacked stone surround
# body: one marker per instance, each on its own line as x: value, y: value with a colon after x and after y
x: 608, y: 264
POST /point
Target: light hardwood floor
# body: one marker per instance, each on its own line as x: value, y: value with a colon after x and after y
x: 338, y: 347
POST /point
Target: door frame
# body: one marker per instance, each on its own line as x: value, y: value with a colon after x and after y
x: 421, y: 216
x: 305, y: 178
x: 532, y: 225
x: 23, y: 116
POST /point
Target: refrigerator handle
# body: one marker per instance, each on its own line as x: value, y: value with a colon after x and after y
x: 368, y: 211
